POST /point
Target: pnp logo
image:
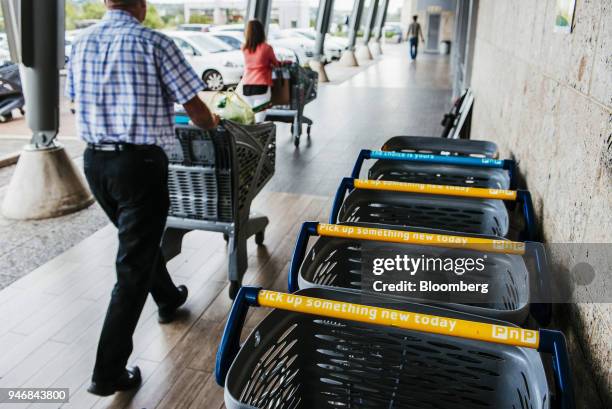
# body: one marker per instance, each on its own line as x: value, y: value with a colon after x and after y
x: 514, y: 334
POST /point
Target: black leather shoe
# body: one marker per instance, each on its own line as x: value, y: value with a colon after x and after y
x: 167, y: 313
x: 130, y: 379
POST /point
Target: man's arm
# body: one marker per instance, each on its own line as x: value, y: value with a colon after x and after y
x: 199, y: 113
x: 421, y: 33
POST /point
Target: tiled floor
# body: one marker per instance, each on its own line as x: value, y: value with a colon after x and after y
x: 51, y: 318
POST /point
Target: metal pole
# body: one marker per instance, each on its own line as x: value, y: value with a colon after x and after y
x: 45, y: 182
x: 380, y: 21
x: 324, y: 15
x: 355, y: 22
x: 40, y: 45
x: 259, y: 10
x: 367, y: 35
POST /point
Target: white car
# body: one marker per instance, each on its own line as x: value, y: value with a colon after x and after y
x: 235, y: 39
x: 227, y: 27
x: 5, y: 55
x: 302, y: 47
x: 217, y: 63
x: 332, y: 47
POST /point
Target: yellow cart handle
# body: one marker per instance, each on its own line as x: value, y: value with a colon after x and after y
x: 462, y: 191
x: 434, y: 324
x: 420, y: 238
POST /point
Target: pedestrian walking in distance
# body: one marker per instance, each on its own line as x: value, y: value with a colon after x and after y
x: 414, y: 33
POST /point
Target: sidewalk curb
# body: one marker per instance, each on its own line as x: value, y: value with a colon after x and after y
x: 8, y: 160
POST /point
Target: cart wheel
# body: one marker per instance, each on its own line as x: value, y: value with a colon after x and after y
x: 259, y: 237
x: 22, y: 111
x: 296, y: 141
x: 5, y: 118
x: 308, y: 131
x: 226, y: 237
x: 233, y: 289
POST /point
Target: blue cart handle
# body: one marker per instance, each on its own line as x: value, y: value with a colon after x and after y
x: 507, y: 164
x: 553, y: 342
x: 345, y: 185
x: 230, y: 341
x: 308, y: 230
x: 541, y: 311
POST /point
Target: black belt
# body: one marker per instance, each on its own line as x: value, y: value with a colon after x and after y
x: 119, y: 147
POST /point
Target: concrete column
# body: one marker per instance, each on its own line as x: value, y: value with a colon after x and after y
x: 260, y: 10
x: 219, y: 16
x: 187, y: 12
x: 378, y: 31
x: 348, y: 56
x: 370, y: 21
x: 363, y: 52
x: 45, y: 182
x: 326, y: 8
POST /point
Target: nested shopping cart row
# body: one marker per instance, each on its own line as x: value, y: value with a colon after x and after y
x: 345, y: 336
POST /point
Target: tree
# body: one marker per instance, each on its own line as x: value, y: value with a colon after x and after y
x: 93, y: 10
x: 200, y: 19
x: 72, y: 15
x: 153, y: 20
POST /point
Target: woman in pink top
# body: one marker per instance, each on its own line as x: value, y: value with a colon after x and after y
x: 259, y: 59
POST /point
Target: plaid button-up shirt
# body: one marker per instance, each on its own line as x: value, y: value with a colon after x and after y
x: 124, y: 79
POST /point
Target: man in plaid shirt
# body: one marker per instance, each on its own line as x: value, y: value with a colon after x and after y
x: 125, y: 79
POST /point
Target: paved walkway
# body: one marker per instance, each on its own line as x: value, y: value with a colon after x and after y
x: 342, y: 126
x: 51, y: 318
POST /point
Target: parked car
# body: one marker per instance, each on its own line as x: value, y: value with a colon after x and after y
x: 228, y: 27
x: 394, y: 30
x: 219, y: 64
x: 195, y: 27
x: 69, y: 38
x: 5, y: 55
x: 235, y: 39
x: 302, y: 47
x: 332, y: 47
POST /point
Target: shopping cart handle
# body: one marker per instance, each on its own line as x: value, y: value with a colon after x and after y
x: 530, y: 231
x: 230, y: 341
x: 363, y: 155
x: 345, y: 185
x: 554, y: 342
x: 507, y: 164
x: 522, y: 197
x: 308, y: 229
x: 541, y: 311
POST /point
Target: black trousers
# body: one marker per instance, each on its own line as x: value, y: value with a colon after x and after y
x: 131, y: 187
x: 251, y: 90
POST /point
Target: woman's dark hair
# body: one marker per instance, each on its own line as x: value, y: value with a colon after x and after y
x: 254, y: 35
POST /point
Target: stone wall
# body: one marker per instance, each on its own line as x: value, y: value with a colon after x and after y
x: 546, y: 99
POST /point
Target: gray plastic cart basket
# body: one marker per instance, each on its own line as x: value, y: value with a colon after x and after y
x: 336, y: 262
x: 303, y: 84
x: 213, y: 178
x: 437, y: 211
x: 295, y: 360
x: 438, y: 169
x: 441, y: 146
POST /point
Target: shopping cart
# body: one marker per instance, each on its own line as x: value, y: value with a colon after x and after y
x: 328, y: 349
x: 213, y: 178
x: 11, y: 94
x: 516, y: 273
x: 455, y: 208
x: 441, y: 146
x: 439, y: 169
x: 303, y: 84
